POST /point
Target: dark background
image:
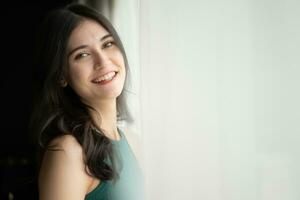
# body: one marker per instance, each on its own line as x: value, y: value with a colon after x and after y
x: 19, y: 23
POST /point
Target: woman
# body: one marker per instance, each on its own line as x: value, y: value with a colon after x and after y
x: 83, y: 74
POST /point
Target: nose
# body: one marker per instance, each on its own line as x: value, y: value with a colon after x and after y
x: 101, y: 59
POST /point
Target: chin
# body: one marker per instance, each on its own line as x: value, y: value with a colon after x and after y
x: 111, y: 95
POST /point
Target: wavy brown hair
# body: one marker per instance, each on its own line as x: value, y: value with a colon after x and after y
x: 58, y: 110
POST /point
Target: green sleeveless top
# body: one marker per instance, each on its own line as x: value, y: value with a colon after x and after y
x: 129, y: 186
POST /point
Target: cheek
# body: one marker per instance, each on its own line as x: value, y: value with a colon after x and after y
x: 121, y: 60
x: 117, y: 57
x: 77, y: 77
x: 121, y: 64
x: 118, y: 60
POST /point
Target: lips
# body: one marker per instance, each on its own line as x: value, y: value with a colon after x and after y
x: 105, y: 76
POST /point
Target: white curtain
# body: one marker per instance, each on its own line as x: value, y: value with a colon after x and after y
x: 217, y: 96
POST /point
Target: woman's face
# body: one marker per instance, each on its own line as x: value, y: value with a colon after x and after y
x: 96, y: 69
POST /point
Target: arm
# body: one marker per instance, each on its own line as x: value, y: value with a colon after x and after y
x: 62, y: 175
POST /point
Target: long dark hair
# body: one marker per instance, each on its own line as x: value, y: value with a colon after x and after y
x: 58, y: 110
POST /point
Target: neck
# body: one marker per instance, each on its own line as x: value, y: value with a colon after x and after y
x: 107, y: 121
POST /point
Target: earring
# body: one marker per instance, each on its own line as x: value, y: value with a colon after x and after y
x: 63, y: 83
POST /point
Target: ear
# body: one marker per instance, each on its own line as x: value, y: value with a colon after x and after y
x: 63, y: 82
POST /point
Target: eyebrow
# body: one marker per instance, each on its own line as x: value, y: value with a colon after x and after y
x: 84, y: 46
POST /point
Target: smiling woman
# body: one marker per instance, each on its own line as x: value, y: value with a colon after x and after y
x: 83, y: 73
x: 92, y: 48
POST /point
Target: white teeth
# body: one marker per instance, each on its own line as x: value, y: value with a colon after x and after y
x: 108, y: 76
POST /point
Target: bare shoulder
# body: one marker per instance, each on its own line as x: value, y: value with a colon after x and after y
x: 68, y: 144
x: 62, y: 174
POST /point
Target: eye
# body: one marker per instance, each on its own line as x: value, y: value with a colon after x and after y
x: 81, y: 55
x: 108, y: 44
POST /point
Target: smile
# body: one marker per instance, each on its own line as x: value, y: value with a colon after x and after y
x: 105, y: 78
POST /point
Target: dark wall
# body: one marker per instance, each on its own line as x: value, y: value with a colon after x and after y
x: 19, y: 22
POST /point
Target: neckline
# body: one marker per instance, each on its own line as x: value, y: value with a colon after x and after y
x: 112, y: 140
x: 120, y: 134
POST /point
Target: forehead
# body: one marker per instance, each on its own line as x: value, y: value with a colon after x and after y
x: 87, y: 32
